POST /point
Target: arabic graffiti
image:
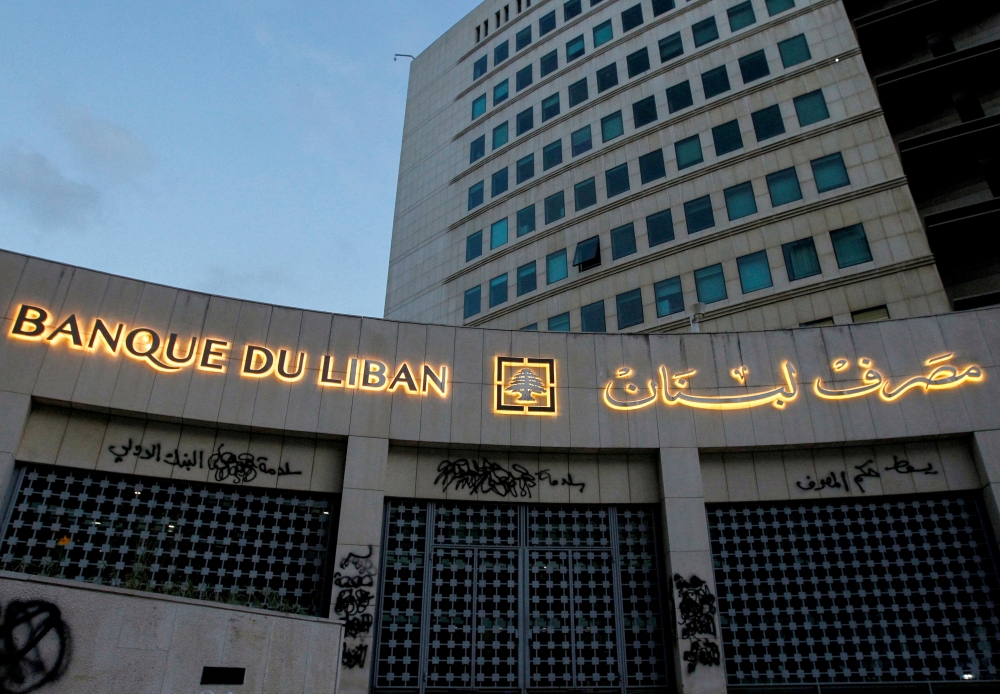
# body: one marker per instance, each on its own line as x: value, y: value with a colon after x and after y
x: 354, y: 583
x: 487, y: 477
x: 866, y: 470
x: 238, y: 467
x: 354, y: 657
x: 34, y: 646
x: 697, y: 607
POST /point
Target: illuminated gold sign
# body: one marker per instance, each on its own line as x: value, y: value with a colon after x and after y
x: 525, y: 386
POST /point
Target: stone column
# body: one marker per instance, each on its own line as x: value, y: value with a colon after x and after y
x: 696, y: 630
x: 14, y: 411
x: 358, y: 550
x: 986, y: 451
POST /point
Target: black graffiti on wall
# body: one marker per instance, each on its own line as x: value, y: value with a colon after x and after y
x: 486, y: 477
x: 34, y: 646
x: 867, y: 470
x: 697, y: 607
x: 355, y: 595
x: 226, y: 465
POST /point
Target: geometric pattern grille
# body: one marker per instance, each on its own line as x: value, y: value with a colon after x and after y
x: 508, y: 597
x: 258, y: 547
x: 897, y: 590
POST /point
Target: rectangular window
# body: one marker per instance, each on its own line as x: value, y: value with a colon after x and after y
x: 526, y: 279
x: 777, y: 6
x: 616, y: 180
x: 523, y: 38
x: 603, y: 33
x: 637, y: 62
x: 560, y: 323
x: 498, y: 290
x: 525, y: 121
x: 588, y: 254
x: 525, y: 168
x: 830, y: 172
x: 651, y: 167
x: 473, y: 302
x: 585, y: 194
x: 740, y: 201
x: 679, y: 96
x: 523, y: 77
x: 850, y: 245
x: 571, y: 9
x: 801, y: 260
x: 755, y: 273
x: 688, y: 152
x: 552, y: 155
x: 501, y: 92
x: 623, y: 241
x: 556, y: 267
x: 659, y: 228
x: 794, y: 51
x: 607, y: 77
x: 698, y: 214
x: 671, y: 47
x: 741, y: 16
x: 612, y: 126
x: 704, y: 32
x: 811, y: 108
x: 550, y: 107
x: 499, y: 183
x: 754, y: 66
x: 592, y: 318
x: 501, y: 52
x: 500, y: 134
x: 727, y: 138
x: 710, y: 283
x: 477, y: 149
x: 870, y: 315
x: 581, y: 140
x: 575, y: 48
x: 530, y: 328
x: 767, y: 123
x: 715, y: 81
x: 669, y: 297
x: 498, y: 233
x: 661, y: 6
x: 629, y: 309
x: 474, y: 245
x: 479, y: 106
x: 479, y: 68
x: 476, y: 195
x: 548, y: 63
x: 644, y: 111
x: 578, y: 92
x: 783, y: 187
x: 525, y: 220
x: 555, y: 207
x: 631, y: 18
x: 546, y: 23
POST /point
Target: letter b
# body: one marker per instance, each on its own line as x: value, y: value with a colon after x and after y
x: 30, y: 321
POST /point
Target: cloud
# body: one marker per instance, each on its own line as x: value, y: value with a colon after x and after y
x: 34, y: 183
x: 103, y: 146
x: 246, y: 281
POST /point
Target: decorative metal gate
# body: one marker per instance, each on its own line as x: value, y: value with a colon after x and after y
x: 513, y: 598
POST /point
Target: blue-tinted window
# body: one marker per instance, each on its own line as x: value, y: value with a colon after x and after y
x: 525, y: 168
x: 523, y: 38
x: 552, y: 155
x: 588, y: 254
x: 499, y: 183
x: 710, y: 283
x: 477, y: 148
x: 473, y: 301
x: 715, y: 81
x: 556, y: 267
x: 498, y: 290
x: 525, y: 121
x: 603, y: 33
x: 501, y: 92
x: 525, y: 220
x: 850, y: 245
x: 526, y: 279
x: 754, y: 66
x: 727, y: 138
x: 688, y: 152
x: 631, y: 18
x: 776, y: 6
x: 476, y: 195
x: 637, y: 62
x: 575, y: 48
x: 669, y: 297
x: 500, y: 135
x: 830, y: 172
x: 651, y: 166
x: 523, y: 77
x: 581, y: 140
x: 612, y: 126
x: 755, y: 273
x: 548, y: 63
x: 616, y: 180
x: 585, y: 194
x: 623, y: 241
x: 740, y: 201
x: 530, y: 328
x: 555, y: 207
x: 474, y: 245
x: 478, y: 106
x: 659, y: 228
x: 592, y: 318
x: 501, y: 52
x: 704, y: 31
x: 644, y: 111
x: 560, y: 323
x: 578, y: 92
x: 679, y: 96
x: 741, y: 16
x: 811, y: 108
x: 800, y: 259
x: 698, y: 214
x: 794, y: 50
x: 607, y: 77
x: 629, y: 306
x: 479, y: 68
x: 546, y: 23
x: 767, y: 123
x: 671, y: 47
x: 550, y: 107
x: 661, y: 6
x: 571, y: 8
x: 783, y: 187
x: 498, y: 233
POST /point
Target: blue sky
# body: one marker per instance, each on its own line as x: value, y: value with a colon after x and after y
x: 241, y: 148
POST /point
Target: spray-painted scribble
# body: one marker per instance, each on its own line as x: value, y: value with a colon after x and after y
x: 34, y: 646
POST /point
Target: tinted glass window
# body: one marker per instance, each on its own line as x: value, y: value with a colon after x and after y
x: 651, y: 166
x: 850, y: 245
x: 473, y: 246
x: 705, y: 31
x: 637, y: 62
x: 476, y: 195
x: 607, y: 77
x: 578, y: 92
x: 755, y: 273
x: 783, y: 187
x: 754, y: 66
x: 499, y: 183
x: 794, y: 51
x: 776, y: 6
x: 688, y: 152
x: 575, y: 48
x: 498, y: 290
x: 811, y: 108
x: 500, y: 135
x: 585, y: 194
x: 727, y: 138
x: 501, y: 92
x: 552, y: 155
x: 698, y: 214
x: 548, y: 63
x: 525, y: 121
x: 498, y: 233
x: 679, y: 96
x: 523, y: 38
x: 477, y: 149
x: 479, y: 68
x: 556, y: 267
x: 800, y: 259
x: 523, y: 77
x: 659, y: 228
x: 525, y: 168
x: 526, y: 220
x: 632, y: 17
x: 669, y: 297
x: 629, y: 307
x: 550, y: 107
x: 555, y: 207
x: 581, y: 140
x: 830, y: 172
x: 710, y: 283
x: 644, y: 111
x: 616, y: 180
x: 546, y: 23
x: 661, y: 6
x: 603, y: 33
x: 671, y: 47
x: 473, y: 301
x: 741, y: 16
x: 478, y: 106
x: 592, y: 318
x: 740, y: 201
x: 623, y: 241
x: 767, y: 123
x: 526, y: 279
x: 715, y: 82
x: 611, y: 126
x: 501, y: 52
x: 560, y: 323
x: 571, y: 9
